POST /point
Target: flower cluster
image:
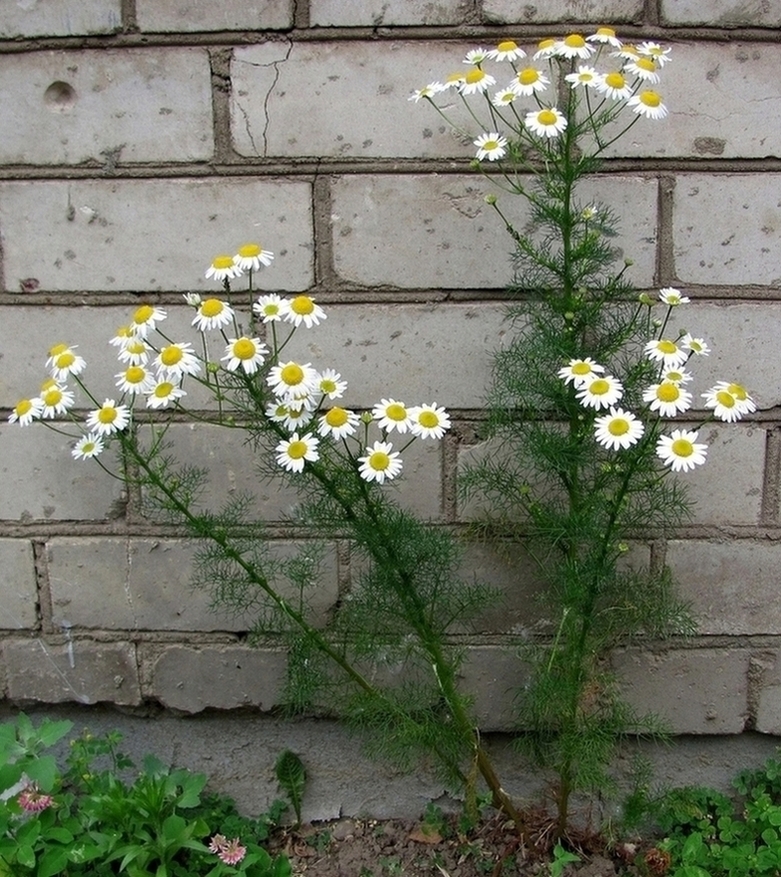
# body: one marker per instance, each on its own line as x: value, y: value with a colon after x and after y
x: 629, y: 79
x: 298, y: 400
x: 667, y: 397
x: 231, y: 852
x: 32, y: 800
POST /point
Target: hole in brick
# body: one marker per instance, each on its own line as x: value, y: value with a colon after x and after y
x: 59, y: 97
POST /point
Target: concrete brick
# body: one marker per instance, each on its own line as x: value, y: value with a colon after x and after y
x: 767, y: 667
x: 81, y: 671
x: 145, y: 584
x: 116, y: 235
x: 60, y: 18
x: 233, y: 466
x: 728, y: 233
x: 194, y: 679
x: 732, y: 585
x: 186, y: 16
x: 721, y: 13
x: 385, y: 13
x: 598, y: 11
x: 694, y: 691
x: 18, y: 587
x: 41, y: 481
x: 430, y: 231
x: 494, y: 677
x: 108, y: 106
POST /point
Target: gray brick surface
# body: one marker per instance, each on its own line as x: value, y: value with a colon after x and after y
x: 81, y: 671
x: 148, y: 235
x: 721, y: 13
x: 597, y: 11
x: 18, y: 588
x: 186, y: 16
x: 108, y: 106
x: 768, y: 709
x: 727, y: 234
x: 494, y: 677
x: 379, y: 13
x: 145, y: 584
x: 431, y: 231
x: 192, y: 679
x: 60, y: 18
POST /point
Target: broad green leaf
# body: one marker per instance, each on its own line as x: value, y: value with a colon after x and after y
x: 52, y: 862
x: 291, y: 775
x: 25, y: 855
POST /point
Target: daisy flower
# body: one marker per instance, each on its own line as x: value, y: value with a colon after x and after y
x: 246, y: 352
x: 292, y: 378
x: 645, y: 69
x: 163, y: 394
x: 338, y: 423
x: 729, y: 401
x: 615, y: 86
x: 453, y: 80
x: 55, y: 399
x: 428, y: 421
x: 251, y: 257
x: 628, y: 53
x: 585, y: 76
x: 135, y: 379
x: 672, y: 297
x: 670, y: 353
x: 504, y: 97
x: 296, y: 417
x: 695, y: 345
x: 177, y: 359
x: 145, y: 319
x: 123, y: 336
x: 379, y: 463
x: 667, y: 398
x: 135, y: 352
x: 680, y: 450
x: 392, y: 415
x: 87, y: 446
x: 655, y: 51
x: 648, y: 103
x: 109, y: 418
x: 574, y: 46
x: 192, y: 298
x: 545, y: 49
x: 491, y: 146
x: 601, y: 391
x: 618, y: 429
x: 330, y: 384
x: 548, y: 122
x: 428, y: 91
x: 223, y: 268
x: 677, y: 376
x: 477, y: 56
x: 507, y: 50
x: 606, y: 36
x: 528, y: 81
x: 212, y: 314
x: 741, y: 394
x: 63, y: 362
x: 301, y: 309
x: 579, y: 371
x: 268, y: 308
x: 25, y: 411
x: 293, y: 452
x: 476, y: 81
x: 277, y: 412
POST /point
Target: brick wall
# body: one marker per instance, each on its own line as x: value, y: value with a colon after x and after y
x: 141, y: 137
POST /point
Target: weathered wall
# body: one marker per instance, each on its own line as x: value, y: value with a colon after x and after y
x: 141, y: 137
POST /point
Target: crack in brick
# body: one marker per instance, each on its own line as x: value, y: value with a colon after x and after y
x: 266, y: 99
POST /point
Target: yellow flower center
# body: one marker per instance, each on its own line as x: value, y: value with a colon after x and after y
x: 455, y: 77
x: 222, y: 262
x: 574, y: 41
x: 396, y: 411
x: 297, y: 449
x: 48, y: 384
x: 249, y: 251
x: 136, y: 347
x: 489, y: 145
x: 618, y: 426
x: 548, y: 43
x: 271, y: 309
x: 65, y: 360
x: 646, y: 64
x: 739, y: 391
x: 546, y: 117
x: 615, y: 80
x: 507, y: 46
x: 336, y: 417
x: 328, y: 386
x: 244, y: 349
x: 171, y: 355
x: 52, y: 397
x: 292, y: 374
x: 650, y: 98
x: 682, y: 448
x: 302, y: 305
x: 107, y: 415
x: 599, y: 387
x: 667, y: 347
x: 212, y: 307
x: 428, y: 419
x: 581, y: 368
x: 667, y: 392
x: 725, y: 399
x: 23, y: 406
x: 476, y: 75
x: 135, y: 374
x: 124, y: 332
x: 58, y: 349
x: 379, y: 461
x: 163, y: 390
x: 605, y: 32
x: 674, y: 376
x: 88, y: 447
x: 143, y: 313
x: 528, y: 76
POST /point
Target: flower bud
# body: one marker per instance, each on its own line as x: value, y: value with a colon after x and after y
x: 645, y: 299
x: 490, y: 199
x: 212, y: 367
x: 366, y: 417
x: 629, y: 262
